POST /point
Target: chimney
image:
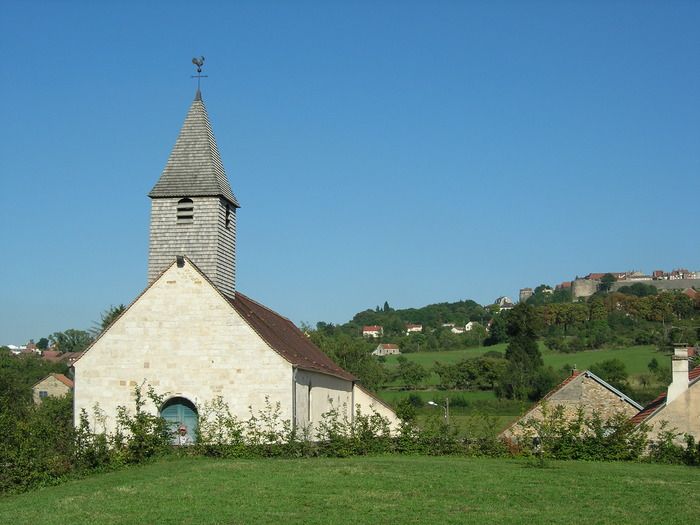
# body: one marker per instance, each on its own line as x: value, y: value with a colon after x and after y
x: 679, y: 363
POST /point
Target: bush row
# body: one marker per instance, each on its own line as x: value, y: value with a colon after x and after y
x: 45, y: 447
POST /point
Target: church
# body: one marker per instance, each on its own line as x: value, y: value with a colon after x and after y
x: 191, y: 334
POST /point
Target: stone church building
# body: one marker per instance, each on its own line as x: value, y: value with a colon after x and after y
x: 190, y: 334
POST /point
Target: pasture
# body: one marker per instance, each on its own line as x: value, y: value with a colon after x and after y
x: 382, y: 489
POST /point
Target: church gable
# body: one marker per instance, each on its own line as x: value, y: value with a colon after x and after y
x: 182, y: 337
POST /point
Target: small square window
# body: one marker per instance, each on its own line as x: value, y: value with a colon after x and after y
x: 43, y: 394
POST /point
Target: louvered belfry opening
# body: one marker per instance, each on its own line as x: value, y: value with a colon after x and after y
x: 185, y: 211
x: 194, y: 177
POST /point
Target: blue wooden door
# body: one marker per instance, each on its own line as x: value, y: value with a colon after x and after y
x: 178, y: 412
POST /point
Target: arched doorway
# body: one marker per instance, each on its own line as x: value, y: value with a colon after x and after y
x: 179, y: 411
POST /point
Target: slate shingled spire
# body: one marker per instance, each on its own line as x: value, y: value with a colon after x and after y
x: 194, y: 167
x: 193, y: 210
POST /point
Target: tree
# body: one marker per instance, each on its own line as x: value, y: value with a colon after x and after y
x: 613, y: 371
x: 107, y: 318
x: 497, y: 331
x: 522, y: 353
x: 411, y: 373
x: 353, y: 354
x: 43, y: 343
x: 71, y: 340
x: 606, y: 282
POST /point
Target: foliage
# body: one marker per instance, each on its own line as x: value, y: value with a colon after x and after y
x: 107, y: 318
x: 469, y: 374
x: 71, y: 340
x: 606, y: 282
x: 141, y: 435
x: 37, y: 445
x: 577, y: 436
x: 639, y: 289
x: 411, y: 373
x: 521, y: 378
x: 613, y: 371
x: 351, y: 353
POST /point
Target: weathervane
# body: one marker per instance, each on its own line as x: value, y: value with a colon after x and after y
x: 199, y: 62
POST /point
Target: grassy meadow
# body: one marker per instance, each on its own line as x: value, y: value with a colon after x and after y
x: 383, y: 489
x: 636, y: 358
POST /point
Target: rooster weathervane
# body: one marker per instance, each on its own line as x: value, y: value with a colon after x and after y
x: 199, y: 62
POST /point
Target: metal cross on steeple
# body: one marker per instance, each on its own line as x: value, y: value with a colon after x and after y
x: 199, y: 62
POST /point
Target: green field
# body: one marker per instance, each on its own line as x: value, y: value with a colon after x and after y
x: 636, y: 358
x: 385, y: 489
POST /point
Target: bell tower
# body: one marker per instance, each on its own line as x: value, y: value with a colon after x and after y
x: 193, y: 210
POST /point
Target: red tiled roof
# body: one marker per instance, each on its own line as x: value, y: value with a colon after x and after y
x: 63, y: 379
x: 285, y: 338
x: 660, y: 401
x: 389, y: 346
x: 372, y: 328
x: 51, y: 355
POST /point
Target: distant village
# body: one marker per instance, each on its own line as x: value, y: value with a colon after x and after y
x: 582, y: 287
x: 680, y: 279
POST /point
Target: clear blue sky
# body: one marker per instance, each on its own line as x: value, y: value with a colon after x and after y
x: 413, y: 152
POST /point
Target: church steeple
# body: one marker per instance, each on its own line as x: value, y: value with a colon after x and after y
x: 194, y: 167
x: 193, y: 210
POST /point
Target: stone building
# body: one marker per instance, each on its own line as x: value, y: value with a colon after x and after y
x: 580, y: 391
x: 191, y: 334
x: 53, y: 385
x: 679, y: 407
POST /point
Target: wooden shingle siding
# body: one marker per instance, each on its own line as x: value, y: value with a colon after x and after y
x: 205, y: 240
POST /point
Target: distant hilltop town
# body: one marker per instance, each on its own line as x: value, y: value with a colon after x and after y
x: 680, y: 279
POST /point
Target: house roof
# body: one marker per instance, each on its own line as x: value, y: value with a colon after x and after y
x: 194, y: 167
x: 389, y: 346
x: 63, y: 379
x: 660, y: 402
x: 574, y: 375
x: 373, y: 328
x: 285, y: 338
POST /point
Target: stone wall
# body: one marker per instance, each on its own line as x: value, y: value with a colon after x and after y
x: 660, y: 284
x: 183, y: 338
x: 583, y: 288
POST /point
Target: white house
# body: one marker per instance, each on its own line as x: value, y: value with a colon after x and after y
x: 191, y: 334
x: 413, y: 328
x: 372, y: 331
x: 386, y: 349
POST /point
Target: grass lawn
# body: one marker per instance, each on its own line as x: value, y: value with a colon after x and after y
x: 386, y: 489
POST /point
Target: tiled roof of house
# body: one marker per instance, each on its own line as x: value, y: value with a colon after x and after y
x: 285, y: 338
x: 660, y: 401
x: 63, y: 379
x: 373, y: 328
x: 51, y: 355
x: 389, y: 346
x: 194, y: 167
